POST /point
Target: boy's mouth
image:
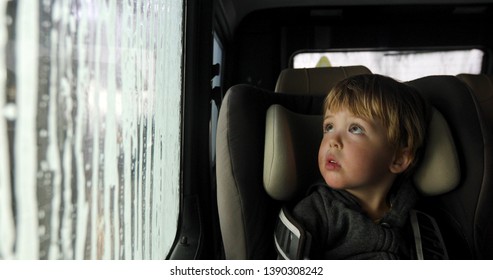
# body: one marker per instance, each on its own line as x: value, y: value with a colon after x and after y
x: 332, y: 164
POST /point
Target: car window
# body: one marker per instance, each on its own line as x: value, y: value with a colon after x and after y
x: 400, y: 64
x: 217, y: 60
x: 90, y: 130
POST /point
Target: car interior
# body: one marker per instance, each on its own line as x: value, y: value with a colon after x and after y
x: 187, y: 129
x: 262, y: 166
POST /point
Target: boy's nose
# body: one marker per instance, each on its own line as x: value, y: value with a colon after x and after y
x: 335, y: 143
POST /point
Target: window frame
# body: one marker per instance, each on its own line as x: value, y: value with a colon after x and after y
x: 195, y: 237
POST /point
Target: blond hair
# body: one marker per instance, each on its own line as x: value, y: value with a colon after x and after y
x: 399, y: 107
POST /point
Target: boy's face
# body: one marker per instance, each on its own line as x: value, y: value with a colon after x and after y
x: 355, y: 154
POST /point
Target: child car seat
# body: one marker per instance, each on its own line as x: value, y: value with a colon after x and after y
x: 248, y: 213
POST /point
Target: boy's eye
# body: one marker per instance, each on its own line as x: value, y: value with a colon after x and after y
x: 328, y: 127
x: 356, y: 129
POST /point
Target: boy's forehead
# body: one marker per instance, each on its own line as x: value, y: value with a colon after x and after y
x: 351, y: 114
x: 341, y: 111
x: 331, y: 112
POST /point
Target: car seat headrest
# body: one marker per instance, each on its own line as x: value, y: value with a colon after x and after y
x: 291, y: 151
x: 291, y: 155
x: 439, y: 170
x: 315, y: 81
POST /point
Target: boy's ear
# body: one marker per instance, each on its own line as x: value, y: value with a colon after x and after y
x: 402, y: 160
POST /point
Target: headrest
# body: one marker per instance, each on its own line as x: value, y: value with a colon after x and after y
x: 291, y: 155
x: 439, y: 170
x: 315, y: 81
x: 291, y: 151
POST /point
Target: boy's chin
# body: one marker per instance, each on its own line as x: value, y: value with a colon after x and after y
x: 335, y: 184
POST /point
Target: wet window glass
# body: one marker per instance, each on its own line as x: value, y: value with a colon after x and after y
x: 90, y: 102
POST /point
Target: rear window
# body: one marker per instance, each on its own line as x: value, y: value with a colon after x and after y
x: 403, y: 65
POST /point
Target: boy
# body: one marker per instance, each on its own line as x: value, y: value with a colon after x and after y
x: 373, y: 131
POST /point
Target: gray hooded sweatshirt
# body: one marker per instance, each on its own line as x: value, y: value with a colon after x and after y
x: 341, y: 230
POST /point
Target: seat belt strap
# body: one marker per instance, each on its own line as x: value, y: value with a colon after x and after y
x: 291, y: 240
x: 428, y: 240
